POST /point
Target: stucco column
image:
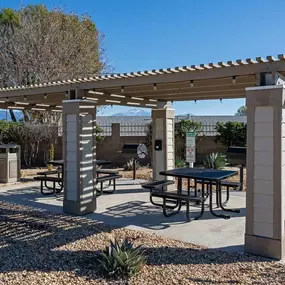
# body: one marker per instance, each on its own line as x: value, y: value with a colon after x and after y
x: 163, y: 130
x: 265, y: 171
x: 79, y: 149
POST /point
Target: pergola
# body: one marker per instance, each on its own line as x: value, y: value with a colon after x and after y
x: 260, y: 81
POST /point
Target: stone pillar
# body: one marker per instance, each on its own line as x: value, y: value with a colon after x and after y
x: 79, y: 149
x: 116, y: 131
x: 163, y: 129
x: 265, y: 171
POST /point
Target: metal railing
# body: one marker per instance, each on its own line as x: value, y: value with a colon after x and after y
x: 133, y: 129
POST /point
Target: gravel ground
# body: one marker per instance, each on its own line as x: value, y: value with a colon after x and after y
x: 37, y: 247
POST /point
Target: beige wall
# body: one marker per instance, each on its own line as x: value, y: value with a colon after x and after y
x: 110, y: 147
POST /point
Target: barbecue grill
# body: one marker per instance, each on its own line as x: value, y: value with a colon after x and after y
x: 135, y: 151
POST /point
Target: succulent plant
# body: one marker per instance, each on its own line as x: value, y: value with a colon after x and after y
x: 129, y: 165
x: 121, y: 259
x: 215, y: 160
x: 180, y: 162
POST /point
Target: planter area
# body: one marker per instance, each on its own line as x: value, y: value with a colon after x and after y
x: 38, y: 247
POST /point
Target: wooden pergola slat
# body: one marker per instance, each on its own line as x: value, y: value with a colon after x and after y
x: 189, y: 81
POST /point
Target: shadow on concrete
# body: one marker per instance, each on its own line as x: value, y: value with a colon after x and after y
x: 136, y: 213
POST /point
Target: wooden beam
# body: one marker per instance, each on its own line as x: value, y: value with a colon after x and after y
x: 174, y: 76
x: 270, y: 58
x: 191, y: 90
x: 104, y: 102
x: 121, y: 98
x: 212, y: 97
x: 180, y: 85
x: 209, y: 93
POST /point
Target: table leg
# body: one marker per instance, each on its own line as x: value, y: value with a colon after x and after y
x: 188, y: 186
x: 203, y: 203
x: 179, y: 190
x: 211, y: 204
x: 196, y: 189
x: 220, y: 200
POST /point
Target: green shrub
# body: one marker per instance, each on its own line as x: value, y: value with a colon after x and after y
x: 129, y: 165
x: 231, y: 133
x: 215, y: 160
x: 184, y: 126
x: 180, y: 162
x: 121, y: 259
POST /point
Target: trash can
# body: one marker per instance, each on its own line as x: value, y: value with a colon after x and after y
x: 10, y: 163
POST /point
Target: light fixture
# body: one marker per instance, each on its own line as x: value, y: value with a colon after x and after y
x: 45, y: 96
x: 234, y: 80
x: 154, y: 87
x: 191, y: 84
x: 66, y: 94
x: 25, y: 98
x: 122, y: 89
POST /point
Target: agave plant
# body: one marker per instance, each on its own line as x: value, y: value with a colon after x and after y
x: 121, y: 259
x: 180, y: 162
x: 130, y: 165
x: 215, y: 160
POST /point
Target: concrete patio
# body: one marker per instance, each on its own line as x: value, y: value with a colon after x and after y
x: 129, y: 207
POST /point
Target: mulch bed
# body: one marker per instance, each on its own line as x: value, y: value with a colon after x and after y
x: 38, y: 247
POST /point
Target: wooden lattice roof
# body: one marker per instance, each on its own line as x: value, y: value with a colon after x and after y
x: 146, y: 88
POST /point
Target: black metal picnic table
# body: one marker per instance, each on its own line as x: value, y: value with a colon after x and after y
x: 60, y: 163
x: 209, y: 176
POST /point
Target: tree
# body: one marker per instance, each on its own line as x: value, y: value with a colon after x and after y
x: 9, y: 22
x: 184, y: 126
x: 241, y: 111
x: 41, y: 45
x: 231, y: 133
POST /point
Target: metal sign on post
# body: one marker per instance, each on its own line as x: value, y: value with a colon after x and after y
x: 190, y: 147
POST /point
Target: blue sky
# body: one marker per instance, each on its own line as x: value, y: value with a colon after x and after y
x: 149, y: 34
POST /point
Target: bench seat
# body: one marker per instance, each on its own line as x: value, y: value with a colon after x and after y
x: 54, y: 180
x: 172, y: 201
x: 107, y: 172
x: 48, y: 178
x: 157, y: 184
x: 172, y: 195
x: 110, y: 178
x: 50, y: 172
x: 223, y: 183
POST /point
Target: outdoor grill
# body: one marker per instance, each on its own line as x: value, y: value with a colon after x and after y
x: 130, y: 149
x: 135, y: 151
x: 237, y: 156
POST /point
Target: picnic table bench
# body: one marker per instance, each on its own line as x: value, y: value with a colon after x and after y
x: 109, y: 176
x: 54, y: 190
x: 157, y: 189
x: 223, y: 183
